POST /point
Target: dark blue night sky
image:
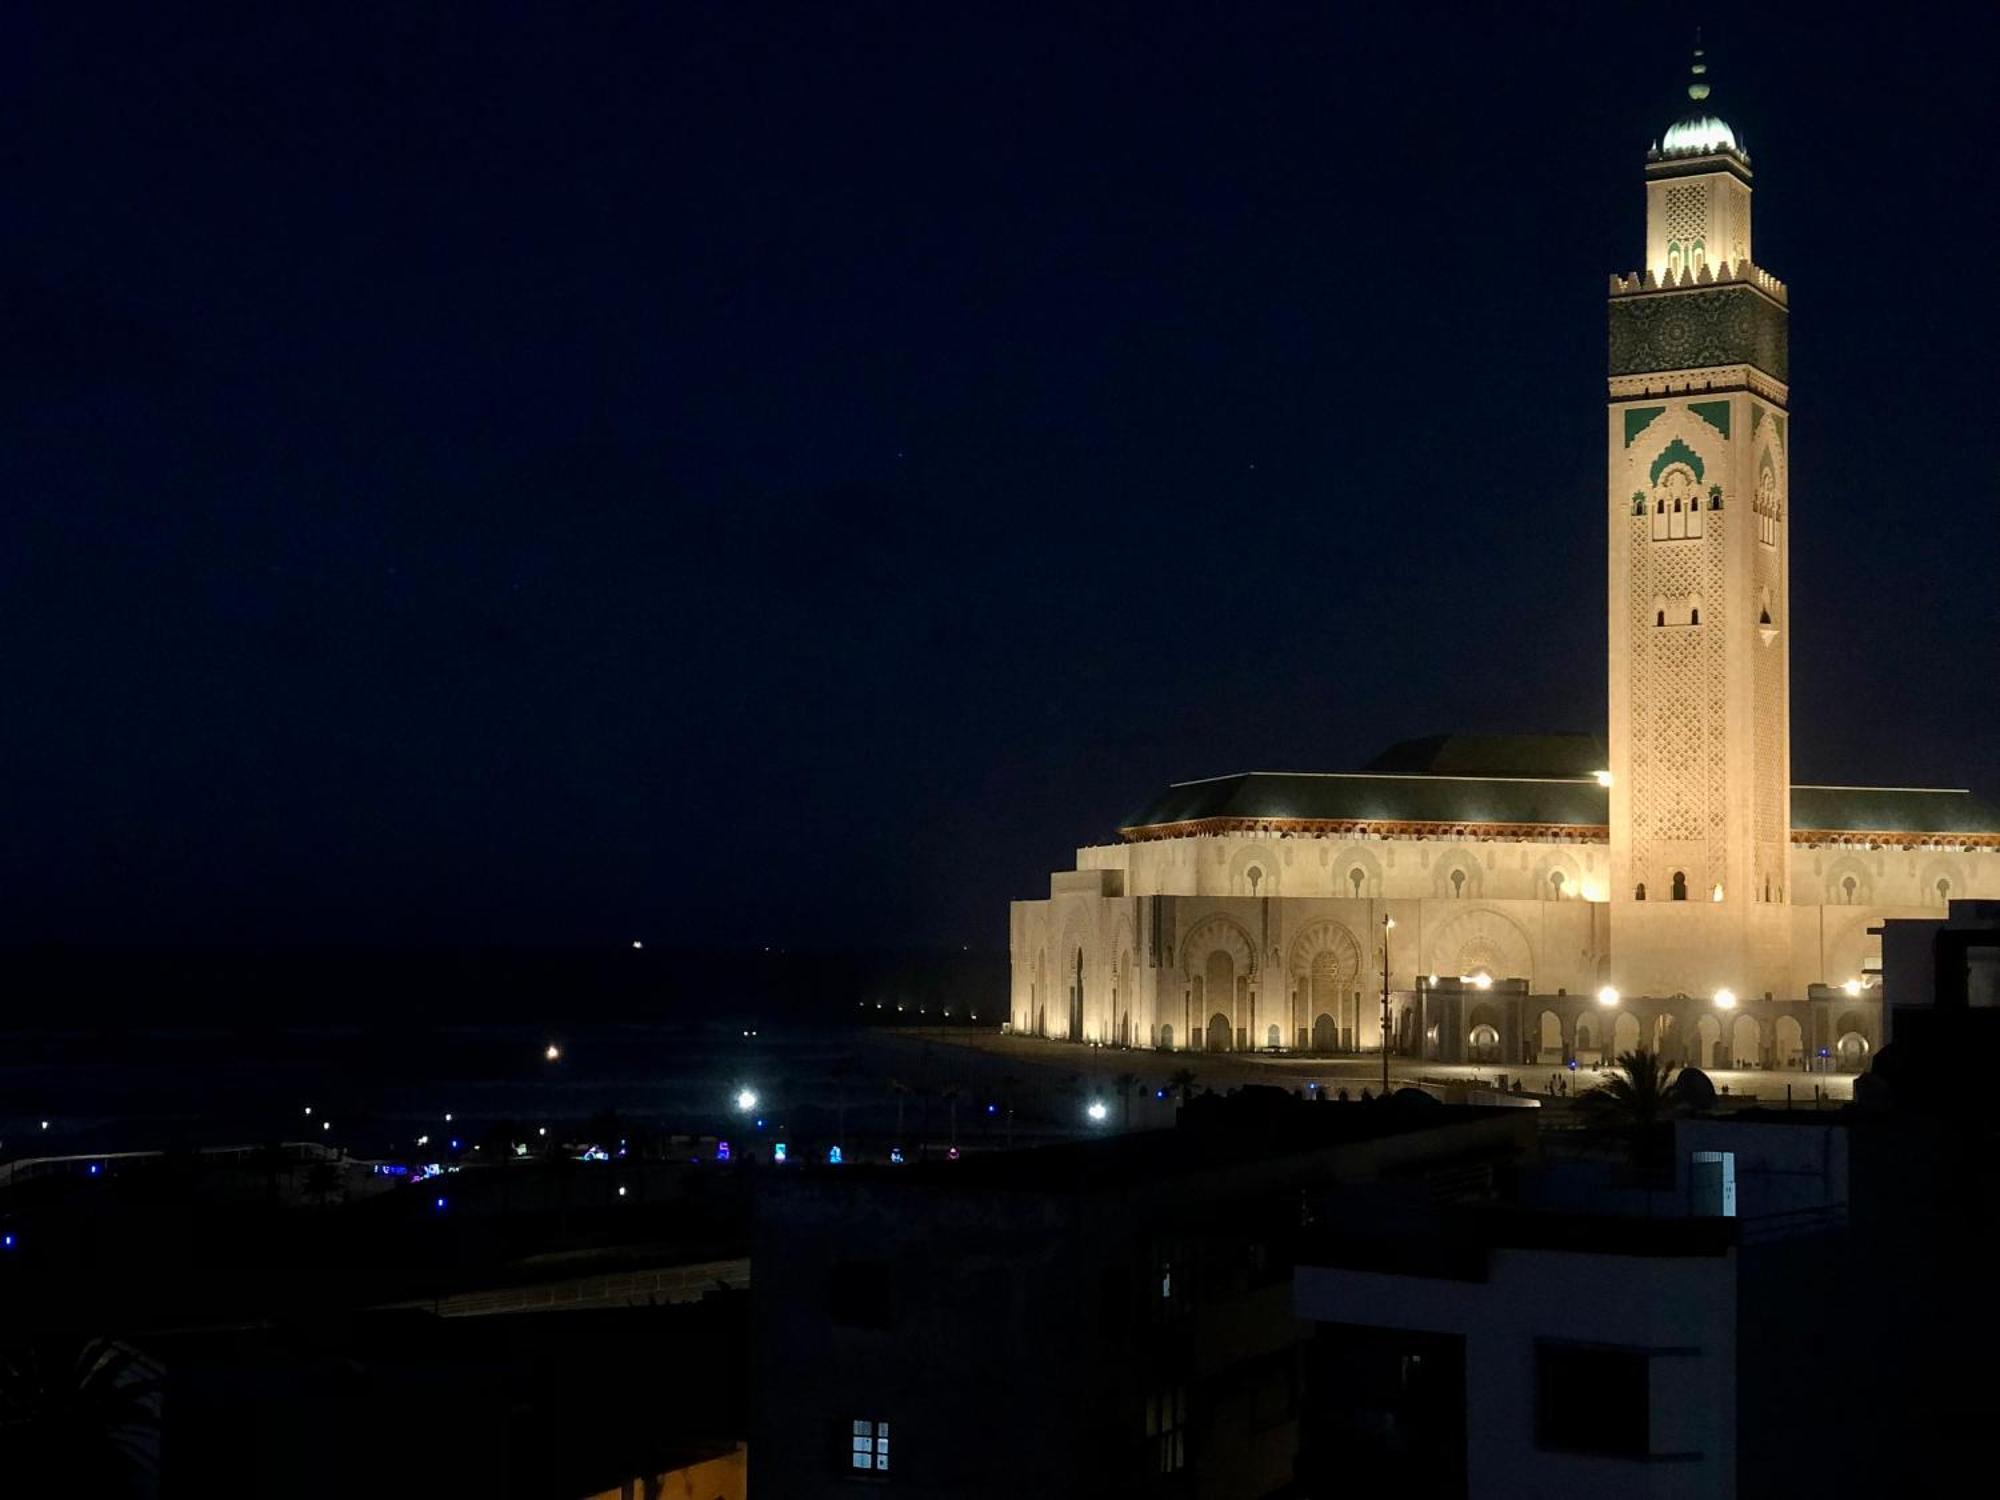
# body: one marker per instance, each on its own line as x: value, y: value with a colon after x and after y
x: 745, y: 474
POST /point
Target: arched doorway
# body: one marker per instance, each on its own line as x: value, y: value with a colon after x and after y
x: 1272, y: 1039
x: 1589, y: 1043
x: 1482, y: 1043
x: 1666, y: 1035
x: 1624, y: 1033
x: 1326, y: 1036
x: 1790, y: 1043
x: 1746, y: 1043
x: 1708, y: 1042
x: 1219, y: 983
x: 1851, y: 1050
x: 1167, y: 1038
x: 1219, y: 1032
x: 1551, y: 1038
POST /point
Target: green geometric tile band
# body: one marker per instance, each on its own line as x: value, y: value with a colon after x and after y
x: 1734, y: 325
x: 1715, y: 413
x: 1638, y: 419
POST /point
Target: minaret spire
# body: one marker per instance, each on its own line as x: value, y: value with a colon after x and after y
x: 1698, y: 83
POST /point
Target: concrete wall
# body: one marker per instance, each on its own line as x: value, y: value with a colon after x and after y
x: 1680, y: 1303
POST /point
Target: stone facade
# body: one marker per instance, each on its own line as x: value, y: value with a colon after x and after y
x: 1226, y: 921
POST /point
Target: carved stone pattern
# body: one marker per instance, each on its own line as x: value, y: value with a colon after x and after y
x: 1725, y: 325
x: 1677, y: 702
x: 1687, y: 213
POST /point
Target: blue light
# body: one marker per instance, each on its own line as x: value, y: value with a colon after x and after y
x: 1572, y: 1065
x: 778, y: 1152
x: 93, y: 1169
x: 760, y: 1124
x: 440, y: 1205
x: 6, y: 1242
x: 833, y: 1157
x: 993, y: 1109
x: 896, y: 1155
x: 722, y: 1151
x: 1161, y: 1094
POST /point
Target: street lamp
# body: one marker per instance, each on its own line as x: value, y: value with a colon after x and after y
x: 746, y: 1100
x: 1097, y: 1111
x: 1607, y: 997
x: 1725, y: 999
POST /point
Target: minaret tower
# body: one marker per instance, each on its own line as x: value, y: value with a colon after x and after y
x: 1699, y: 605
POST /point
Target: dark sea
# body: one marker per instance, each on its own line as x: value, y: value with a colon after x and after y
x: 369, y: 1052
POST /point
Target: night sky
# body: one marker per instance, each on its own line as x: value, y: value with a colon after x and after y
x: 745, y: 474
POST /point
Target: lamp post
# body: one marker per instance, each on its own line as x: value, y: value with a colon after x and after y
x: 1388, y: 922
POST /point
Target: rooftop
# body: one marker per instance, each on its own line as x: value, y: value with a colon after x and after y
x: 1541, y: 785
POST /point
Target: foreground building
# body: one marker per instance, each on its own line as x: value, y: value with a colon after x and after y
x: 1666, y: 883
x: 1108, y: 1317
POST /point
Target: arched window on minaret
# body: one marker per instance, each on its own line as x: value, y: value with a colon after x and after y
x: 1680, y: 885
x: 1639, y: 891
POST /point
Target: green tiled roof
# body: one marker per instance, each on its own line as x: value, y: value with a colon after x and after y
x: 1891, y: 809
x: 1534, y: 779
x: 1563, y: 756
x: 1389, y: 799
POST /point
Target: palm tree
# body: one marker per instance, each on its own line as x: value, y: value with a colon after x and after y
x: 1641, y: 1093
x: 1184, y: 1081
x: 1638, y: 1098
x: 1124, y: 1084
x: 78, y: 1416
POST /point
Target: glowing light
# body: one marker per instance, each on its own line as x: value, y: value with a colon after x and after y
x: 93, y: 1169
x: 951, y: 1153
x: 552, y: 1052
x: 993, y: 1109
x: 440, y: 1205
x: 1725, y: 1000
x: 309, y: 1109
x: 447, y: 1117
x: 1716, y: 895
x: 746, y: 1100
x: 1603, y: 777
x: 1433, y: 980
x: 6, y: 1242
x: 722, y: 1151
x: 1388, y: 922
x: 833, y: 1157
x: 778, y: 1152
x: 454, y: 1145
x: 621, y: 1192
x: 1480, y: 981
x: 541, y: 1130
x: 326, y: 1124
x: 1607, y: 997
x: 1698, y: 136
x: 636, y: 944
x: 1097, y: 1110
x: 1853, y: 986
x: 45, y: 1124
x: 895, y: 1156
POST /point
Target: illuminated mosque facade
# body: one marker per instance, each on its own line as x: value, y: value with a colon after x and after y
x: 1557, y: 898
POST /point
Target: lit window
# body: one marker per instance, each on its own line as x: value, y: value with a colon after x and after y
x: 870, y: 1446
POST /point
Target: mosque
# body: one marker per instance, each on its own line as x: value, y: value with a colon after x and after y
x: 1545, y: 899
